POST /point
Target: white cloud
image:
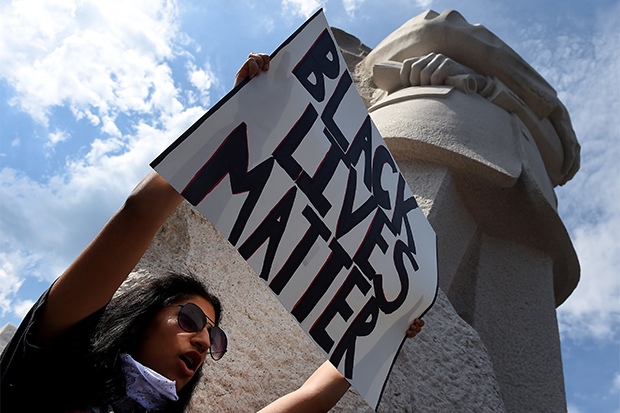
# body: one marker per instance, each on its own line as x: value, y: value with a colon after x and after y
x: 85, y: 113
x: 99, y: 58
x: 350, y: 6
x: 425, y: 4
x: 21, y: 308
x: 302, y: 8
x: 109, y: 127
x: 57, y: 136
x: 616, y: 384
x: 594, y: 307
x: 203, y: 80
x: 268, y: 24
x: 11, y: 263
x: 571, y: 408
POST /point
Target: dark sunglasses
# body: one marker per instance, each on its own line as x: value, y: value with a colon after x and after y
x: 193, y: 320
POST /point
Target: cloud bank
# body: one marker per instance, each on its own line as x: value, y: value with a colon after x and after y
x: 100, y: 63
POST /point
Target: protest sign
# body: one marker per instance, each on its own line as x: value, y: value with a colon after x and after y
x: 291, y: 169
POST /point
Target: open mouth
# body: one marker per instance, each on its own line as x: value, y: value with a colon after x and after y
x: 189, y: 362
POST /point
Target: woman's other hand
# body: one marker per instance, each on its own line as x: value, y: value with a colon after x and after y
x: 415, y: 328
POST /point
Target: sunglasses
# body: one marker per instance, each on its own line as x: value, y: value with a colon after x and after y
x: 193, y: 320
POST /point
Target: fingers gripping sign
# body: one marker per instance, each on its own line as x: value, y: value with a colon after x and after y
x: 253, y: 66
x: 415, y: 328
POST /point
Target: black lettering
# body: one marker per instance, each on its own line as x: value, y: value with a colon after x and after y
x: 401, y: 209
x: 271, y: 229
x: 373, y: 238
x: 363, y: 142
x: 382, y: 156
x: 332, y: 106
x: 231, y: 158
x: 314, y: 187
x: 388, y: 307
x: 363, y: 325
x: 321, y: 59
x: 337, y: 260
x: 317, y: 228
x: 338, y: 305
x: 349, y: 219
x: 284, y: 152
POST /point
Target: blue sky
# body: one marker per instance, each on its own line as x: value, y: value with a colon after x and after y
x: 91, y: 92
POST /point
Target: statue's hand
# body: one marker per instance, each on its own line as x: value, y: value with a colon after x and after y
x: 436, y: 69
x: 433, y: 69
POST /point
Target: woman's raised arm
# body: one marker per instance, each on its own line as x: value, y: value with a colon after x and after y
x: 94, y: 276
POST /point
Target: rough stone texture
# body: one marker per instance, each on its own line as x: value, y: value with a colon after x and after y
x: 500, y: 287
x: 530, y: 373
x: 445, y: 369
x: 6, y: 333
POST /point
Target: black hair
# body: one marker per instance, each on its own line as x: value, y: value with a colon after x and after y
x: 123, y: 323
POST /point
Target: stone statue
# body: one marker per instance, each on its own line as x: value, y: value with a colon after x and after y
x: 482, y: 140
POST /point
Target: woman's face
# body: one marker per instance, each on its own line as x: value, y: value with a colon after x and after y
x: 171, y: 351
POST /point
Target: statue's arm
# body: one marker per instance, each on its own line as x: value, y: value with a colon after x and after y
x: 561, y: 123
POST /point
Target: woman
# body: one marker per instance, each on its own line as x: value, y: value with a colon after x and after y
x: 83, y: 348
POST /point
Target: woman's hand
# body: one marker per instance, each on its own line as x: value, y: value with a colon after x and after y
x: 256, y: 63
x: 415, y: 328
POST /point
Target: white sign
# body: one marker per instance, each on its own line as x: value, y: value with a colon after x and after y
x: 291, y: 169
